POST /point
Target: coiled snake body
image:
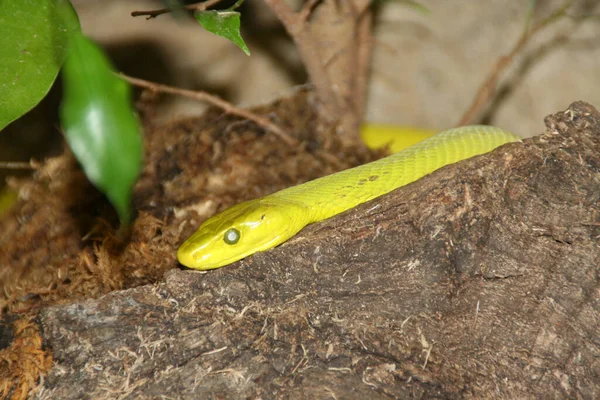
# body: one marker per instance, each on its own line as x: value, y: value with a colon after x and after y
x: 264, y: 223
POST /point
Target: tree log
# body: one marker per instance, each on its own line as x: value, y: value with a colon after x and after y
x: 480, y: 280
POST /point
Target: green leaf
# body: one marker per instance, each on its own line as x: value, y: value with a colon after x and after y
x: 99, y: 123
x: 33, y: 45
x: 225, y: 24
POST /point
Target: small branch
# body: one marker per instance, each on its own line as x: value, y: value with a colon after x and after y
x: 307, y: 10
x: 202, y: 6
x: 488, y: 88
x: 363, y: 61
x: 236, y: 5
x: 290, y: 19
x: 215, y: 101
x: 361, y: 53
x: 18, y: 165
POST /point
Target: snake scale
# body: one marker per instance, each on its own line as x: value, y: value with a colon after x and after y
x: 264, y: 223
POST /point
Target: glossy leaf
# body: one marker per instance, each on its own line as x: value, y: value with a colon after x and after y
x: 99, y: 123
x: 33, y: 45
x: 225, y: 24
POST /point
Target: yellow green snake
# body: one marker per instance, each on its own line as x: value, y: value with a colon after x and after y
x: 261, y: 224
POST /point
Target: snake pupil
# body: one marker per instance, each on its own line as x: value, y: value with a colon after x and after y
x: 232, y: 236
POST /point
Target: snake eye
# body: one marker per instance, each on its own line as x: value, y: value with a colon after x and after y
x: 232, y: 236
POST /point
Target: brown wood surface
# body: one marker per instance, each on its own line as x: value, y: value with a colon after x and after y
x: 478, y: 281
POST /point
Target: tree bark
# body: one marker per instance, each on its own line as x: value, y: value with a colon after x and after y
x: 480, y: 280
x: 333, y: 39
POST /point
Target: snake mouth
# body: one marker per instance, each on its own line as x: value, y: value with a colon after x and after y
x: 200, y: 258
x: 185, y: 256
x: 189, y: 255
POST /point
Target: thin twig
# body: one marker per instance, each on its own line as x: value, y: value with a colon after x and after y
x: 216, y: 101
x: 307, y: 10
x: 488, y: 88
x: 202, y: 6
x: 288, y: 17
x: 363, y: 61
x: 236, y: 5
x: 18, y: 165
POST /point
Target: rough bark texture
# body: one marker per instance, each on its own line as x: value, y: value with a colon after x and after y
x: 342, y: 32
x: 478, y: 281
x: 333, y: 41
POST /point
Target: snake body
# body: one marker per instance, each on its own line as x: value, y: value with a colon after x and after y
x: 264, y: 223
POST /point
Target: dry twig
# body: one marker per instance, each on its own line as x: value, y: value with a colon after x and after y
x: 307, y: 9
x: 202, y: 6
x: 363, y: 57
x: 18, y: 165
x: 215, y: 101
x: 488, y: 88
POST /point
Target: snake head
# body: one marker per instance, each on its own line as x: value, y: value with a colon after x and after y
x: 240, y: 231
